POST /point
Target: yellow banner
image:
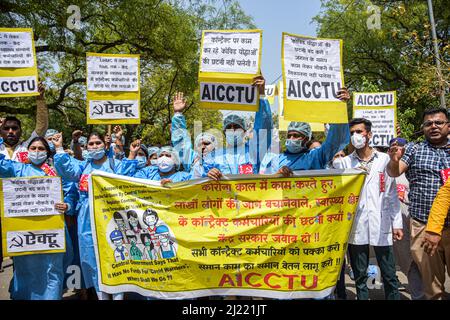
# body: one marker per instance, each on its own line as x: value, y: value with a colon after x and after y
x: 18, y: 66
x: 115, y: 104
x: 247, y: 235
x: 381, y: 109
x: 229, y: 60
x: 30, y: 222
x: 312, y: 75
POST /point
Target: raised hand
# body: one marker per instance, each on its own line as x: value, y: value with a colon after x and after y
x: 179, y: 102
x: 343, y: 94
x: 57, y: 140
x: 76, y: 135
x: 396, y: 152
x: 260, y: 83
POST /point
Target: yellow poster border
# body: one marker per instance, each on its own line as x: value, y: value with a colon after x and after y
x: 21, y: 72
x: 229, y: 78
x: 114, y: 95
x: 394, y: 107
x: 330, y: 111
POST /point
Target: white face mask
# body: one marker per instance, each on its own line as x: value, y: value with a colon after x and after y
x: 358, y: 140
x: 165, y: 164
x: 235, y: 138
x: 154, y: 162
x: 338, y: 163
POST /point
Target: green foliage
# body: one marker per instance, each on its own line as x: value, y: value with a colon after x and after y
x: 166, y: 34
x: 399, y: 56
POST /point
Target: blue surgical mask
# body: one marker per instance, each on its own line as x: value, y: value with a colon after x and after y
x: 97, y: 154
x: 37, y: 157
x: 295, y: 146
x: 142, y: 162
x: 52, y: 147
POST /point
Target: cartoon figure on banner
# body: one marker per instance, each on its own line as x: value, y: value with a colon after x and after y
x: 135, y: 253
x: 149, y: 249
x: 167, y: 248
x: 135, y: 227
x: 120, y: 222
x: 121, y: 252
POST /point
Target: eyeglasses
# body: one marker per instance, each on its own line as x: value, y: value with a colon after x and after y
x: 438, y: 123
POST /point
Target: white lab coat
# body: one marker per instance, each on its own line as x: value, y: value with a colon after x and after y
x: 378, y: 212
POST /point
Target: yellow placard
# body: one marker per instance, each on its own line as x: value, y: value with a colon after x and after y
x: 233, y: 88
x: 312, y: 111
x: 30, y: 224
x: 114, y: 95
x: 381, y: 109
x: 247, y: 235
x: 26, y: 74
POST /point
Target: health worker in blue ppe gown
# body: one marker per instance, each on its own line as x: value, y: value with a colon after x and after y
x: 298, y: 157
x: 167, y: 168
x: 78, y: 171
x: 36, y: 276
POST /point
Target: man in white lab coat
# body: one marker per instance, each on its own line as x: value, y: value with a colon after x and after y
x: 378, y: 218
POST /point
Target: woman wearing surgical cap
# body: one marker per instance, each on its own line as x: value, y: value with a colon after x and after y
x: 297, y: 155
x: 36, y: 276
x: 239, y: 156
x: 79, y: 172
x: 166, y: 170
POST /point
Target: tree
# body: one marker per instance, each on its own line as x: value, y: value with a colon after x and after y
x: 166, y: 34
x: 398, y: 56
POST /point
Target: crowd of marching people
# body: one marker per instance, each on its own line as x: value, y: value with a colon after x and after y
x: 403, y: 210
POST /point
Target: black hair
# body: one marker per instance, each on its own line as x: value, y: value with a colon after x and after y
x: 44, y: 142
x: 143, y: 238
x: 117, y: 215
x: 367, y: 123
x: 132, y: 213
x: 12, y: 118
x: 150, y: 212
x: 145, y: 150
x: 431, y: 111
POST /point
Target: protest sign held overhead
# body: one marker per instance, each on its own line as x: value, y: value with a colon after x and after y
x: 30, y: 222
x: 283, y: 124
x: 381, y: 109
x: 312, y: 77
x: 113, y: 89
x: 229, y: 60
x: 18, y: 67
x: 271, y: 237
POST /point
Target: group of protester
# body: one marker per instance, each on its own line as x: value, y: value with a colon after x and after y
x: 386, y: 219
